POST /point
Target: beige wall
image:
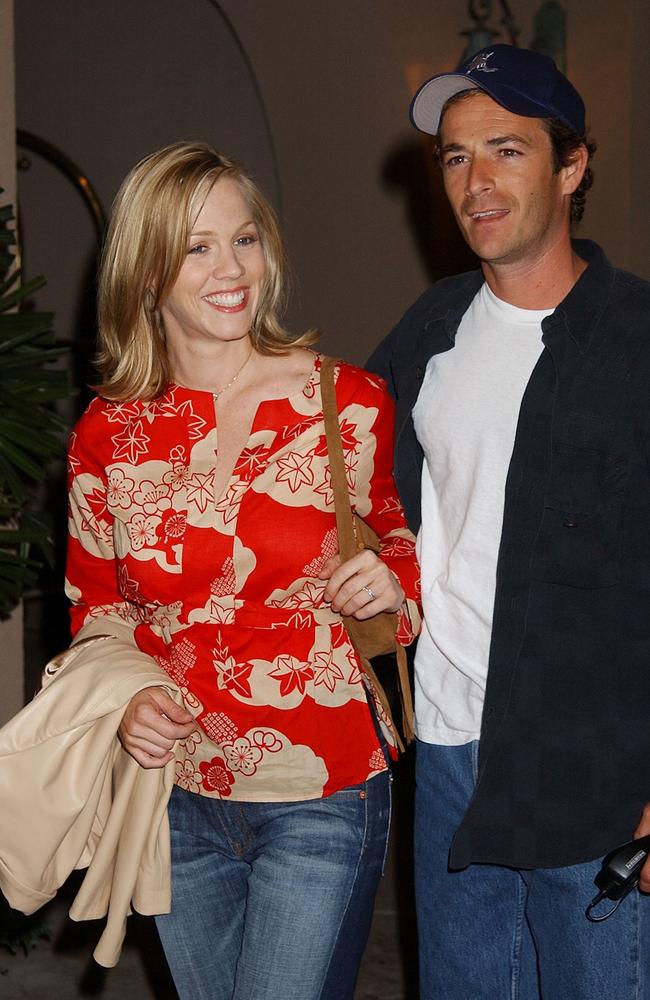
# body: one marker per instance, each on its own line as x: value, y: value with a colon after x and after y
x: 11, y: 633
x: 334, y: 82
x: 367, y: 227
x: 7, y: 102
x: 639, y: 145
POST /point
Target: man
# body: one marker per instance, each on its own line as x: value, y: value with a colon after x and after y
x: 523, y: 451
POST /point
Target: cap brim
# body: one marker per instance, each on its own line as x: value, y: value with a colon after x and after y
x: 427, y: 105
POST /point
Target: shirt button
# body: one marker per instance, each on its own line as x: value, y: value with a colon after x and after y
x: 362, y: 795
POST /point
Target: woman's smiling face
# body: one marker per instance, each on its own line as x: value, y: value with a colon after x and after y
x: 219, y: 287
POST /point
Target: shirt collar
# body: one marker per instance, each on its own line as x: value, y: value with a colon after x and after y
x: 454, y: 306
x: 580, y: 311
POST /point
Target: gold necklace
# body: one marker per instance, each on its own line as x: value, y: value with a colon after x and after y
x: 223, y: 388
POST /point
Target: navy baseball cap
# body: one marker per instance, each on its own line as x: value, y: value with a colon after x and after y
x: 522, y: 81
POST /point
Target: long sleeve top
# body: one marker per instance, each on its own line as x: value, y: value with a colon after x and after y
x: 223, y: 591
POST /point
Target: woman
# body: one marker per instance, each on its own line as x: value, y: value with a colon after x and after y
x: 201, y: 514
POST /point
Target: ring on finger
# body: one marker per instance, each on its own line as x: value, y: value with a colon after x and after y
x: 371, y: 594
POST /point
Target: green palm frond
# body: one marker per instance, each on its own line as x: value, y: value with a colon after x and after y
x: 31, y: 433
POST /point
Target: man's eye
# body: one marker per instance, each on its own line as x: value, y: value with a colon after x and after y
x: 454, y: 161
x: 509, y: 152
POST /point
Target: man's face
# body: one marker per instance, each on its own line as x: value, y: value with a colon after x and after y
x: 498, y: 175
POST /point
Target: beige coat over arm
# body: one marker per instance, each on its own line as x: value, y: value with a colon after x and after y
x: 73, y: 798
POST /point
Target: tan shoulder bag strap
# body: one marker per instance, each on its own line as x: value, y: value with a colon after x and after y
x: 344, y: 525
x: 348, y: 544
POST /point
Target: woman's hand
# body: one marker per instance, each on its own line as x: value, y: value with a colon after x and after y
x: 151, y: 725
x: 362, y: 587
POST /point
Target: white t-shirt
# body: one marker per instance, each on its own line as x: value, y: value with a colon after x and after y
x: 465, y: 419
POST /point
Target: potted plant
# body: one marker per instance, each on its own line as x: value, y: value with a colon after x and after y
x: 30, y: 429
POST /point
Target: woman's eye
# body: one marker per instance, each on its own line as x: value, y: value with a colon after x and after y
x: 197, y: 249
x: 246, y: 240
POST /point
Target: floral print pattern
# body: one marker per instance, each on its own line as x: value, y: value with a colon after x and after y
x: 223, y: 591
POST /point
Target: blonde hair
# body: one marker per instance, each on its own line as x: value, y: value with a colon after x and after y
x: 144, y: 250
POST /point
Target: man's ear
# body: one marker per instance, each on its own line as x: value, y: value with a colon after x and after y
x: 574, y: 171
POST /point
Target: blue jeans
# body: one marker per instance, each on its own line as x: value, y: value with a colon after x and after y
x: 495, y: 933
x: 273, y: 900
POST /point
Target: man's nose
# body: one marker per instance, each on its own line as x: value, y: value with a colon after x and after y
x: 478, y: 179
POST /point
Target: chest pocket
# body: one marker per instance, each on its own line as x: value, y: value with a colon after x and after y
x: 579, y: 541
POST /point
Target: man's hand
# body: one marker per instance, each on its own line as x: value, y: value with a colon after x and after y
x: 641, y: 831
x: 151, y: 725
x: 362, y: 587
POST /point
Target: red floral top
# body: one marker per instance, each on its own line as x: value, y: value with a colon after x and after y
x: 223, y: 591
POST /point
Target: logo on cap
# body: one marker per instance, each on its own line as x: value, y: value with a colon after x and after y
x: 479, y: 64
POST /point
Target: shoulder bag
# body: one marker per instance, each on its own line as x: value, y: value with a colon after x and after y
x: 373, y: 636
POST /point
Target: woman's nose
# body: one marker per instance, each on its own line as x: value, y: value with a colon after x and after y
x: 228, y: 264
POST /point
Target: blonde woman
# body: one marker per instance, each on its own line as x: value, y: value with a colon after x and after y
x: 201, y: 518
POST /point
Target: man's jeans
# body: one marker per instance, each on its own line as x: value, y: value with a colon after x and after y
x: 270, y: 900
x: 495, y: 933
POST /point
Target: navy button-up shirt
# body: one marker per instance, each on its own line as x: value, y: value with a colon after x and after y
x: 565, y: 741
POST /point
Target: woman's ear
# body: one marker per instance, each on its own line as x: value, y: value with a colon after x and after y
x: 150, y: 299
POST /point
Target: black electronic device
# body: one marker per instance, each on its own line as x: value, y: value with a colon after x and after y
x: 619, y: 875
